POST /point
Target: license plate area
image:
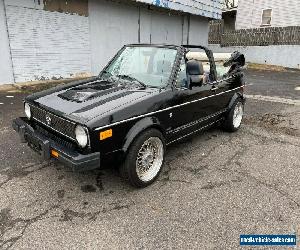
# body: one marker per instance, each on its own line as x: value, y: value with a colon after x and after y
x: 33, y: 144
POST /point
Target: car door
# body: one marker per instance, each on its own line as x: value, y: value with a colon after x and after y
x: 222, y: 89
x: 194, y: 107
x: 220, y: 94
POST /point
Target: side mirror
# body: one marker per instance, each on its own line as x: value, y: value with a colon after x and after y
x: 236, y: 58
x: 195, y: 73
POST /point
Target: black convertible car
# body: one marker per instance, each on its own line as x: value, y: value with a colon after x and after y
x: 147, y: 97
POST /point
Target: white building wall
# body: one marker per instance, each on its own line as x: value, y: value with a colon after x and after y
x: 280, y: 55
x: 6, y: 72
x: 284, y: 13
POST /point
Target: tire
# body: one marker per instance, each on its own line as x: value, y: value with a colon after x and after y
x: 234, y: 117
x: 137, y: 168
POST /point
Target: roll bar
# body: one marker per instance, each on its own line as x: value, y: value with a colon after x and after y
x: 210, y: 56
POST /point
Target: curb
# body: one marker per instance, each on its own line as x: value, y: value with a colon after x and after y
x: 268, y: 67
x: 16, y: 87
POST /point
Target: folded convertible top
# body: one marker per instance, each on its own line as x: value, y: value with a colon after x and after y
x: 201, y: 56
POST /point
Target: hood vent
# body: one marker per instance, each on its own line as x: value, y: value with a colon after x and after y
x: 88, y: 92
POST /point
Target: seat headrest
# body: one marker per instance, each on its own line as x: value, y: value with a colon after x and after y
x: 195, y: 68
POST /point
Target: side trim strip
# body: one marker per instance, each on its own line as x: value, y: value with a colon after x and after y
x: 208, y: 125
x: 162, y: 110
x: 188, y: 125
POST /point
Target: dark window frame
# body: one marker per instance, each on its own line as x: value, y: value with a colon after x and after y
x: 263, y: 17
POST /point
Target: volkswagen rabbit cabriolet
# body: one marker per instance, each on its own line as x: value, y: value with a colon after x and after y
x: 147, y: 97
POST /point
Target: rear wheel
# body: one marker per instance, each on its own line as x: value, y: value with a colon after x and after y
x: 144, y: 159
x: 234, y: 118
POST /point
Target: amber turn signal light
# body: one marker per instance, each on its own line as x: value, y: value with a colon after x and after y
x: 54, y: 153
x: 105, y: 134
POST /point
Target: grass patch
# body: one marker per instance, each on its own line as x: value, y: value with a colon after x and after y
x: 266, y: 67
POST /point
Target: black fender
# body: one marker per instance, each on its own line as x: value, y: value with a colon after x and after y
x: 139, y: 127
x: 235, y: 97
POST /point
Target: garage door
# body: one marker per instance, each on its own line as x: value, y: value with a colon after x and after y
x: 47, y: 44
x: 114, y: 24
x: 166, y: 28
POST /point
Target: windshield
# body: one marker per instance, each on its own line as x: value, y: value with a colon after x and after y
x: 150, y: 66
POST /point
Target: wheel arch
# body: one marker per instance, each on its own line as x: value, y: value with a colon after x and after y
x: 138, y: 128
x: 236, y: 96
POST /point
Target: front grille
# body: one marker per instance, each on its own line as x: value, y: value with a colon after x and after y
x: 55, y: 138
x: 54, y: 122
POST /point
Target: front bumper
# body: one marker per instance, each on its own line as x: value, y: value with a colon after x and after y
x: 43, y: 145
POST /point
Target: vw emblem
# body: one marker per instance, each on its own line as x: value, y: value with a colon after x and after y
x: 48, y: 120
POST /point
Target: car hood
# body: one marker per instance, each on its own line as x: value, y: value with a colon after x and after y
x: 92, y: 99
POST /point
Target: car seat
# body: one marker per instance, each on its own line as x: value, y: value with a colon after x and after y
x: 195, y: 73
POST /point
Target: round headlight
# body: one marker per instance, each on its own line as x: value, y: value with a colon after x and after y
x: 81, y: 136
x: 27, y: 110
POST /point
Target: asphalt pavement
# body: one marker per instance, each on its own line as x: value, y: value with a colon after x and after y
x: 274, y: 83
x: 214, y: 186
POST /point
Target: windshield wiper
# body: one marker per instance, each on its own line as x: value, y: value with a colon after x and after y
x: 132, y: 79
x: 109, y: 76
x: 103, y: 73
x: 106, y: 72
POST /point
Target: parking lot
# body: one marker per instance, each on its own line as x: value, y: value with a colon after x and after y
x: 214, y: 186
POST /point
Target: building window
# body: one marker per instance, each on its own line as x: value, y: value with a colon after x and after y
x: 266, y: 17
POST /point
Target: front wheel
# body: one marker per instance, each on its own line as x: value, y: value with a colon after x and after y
x: 145, y: 159
x: 234, y: 118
